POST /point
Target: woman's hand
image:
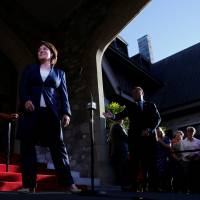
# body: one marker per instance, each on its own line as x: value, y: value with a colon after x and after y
x: 65, y: 120
x: 13, y: 116
x: 29, y: 106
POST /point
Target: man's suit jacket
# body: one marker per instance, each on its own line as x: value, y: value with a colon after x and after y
x: 55, y: 94
x: 148, y: 118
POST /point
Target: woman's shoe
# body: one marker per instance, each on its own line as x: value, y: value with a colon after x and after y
x: 73, y: 189
x: 26, y: 190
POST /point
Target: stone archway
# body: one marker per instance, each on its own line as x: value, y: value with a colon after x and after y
x: 14, y: 48
x: 81, y: 32
x: 13, y: 57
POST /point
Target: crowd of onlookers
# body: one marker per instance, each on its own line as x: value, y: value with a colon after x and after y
x: 177, y: 161
x: 180, y: 163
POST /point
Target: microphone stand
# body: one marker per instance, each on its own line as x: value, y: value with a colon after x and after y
x: 91, y: 106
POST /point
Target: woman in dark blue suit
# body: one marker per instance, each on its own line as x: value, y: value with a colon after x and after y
x: 45, y: 107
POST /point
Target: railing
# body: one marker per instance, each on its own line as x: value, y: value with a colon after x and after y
x: 8, y: 146
x: 10, y: 118
x: 183, y: 151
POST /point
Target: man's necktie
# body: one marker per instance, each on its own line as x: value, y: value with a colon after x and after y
x: 140, y: 105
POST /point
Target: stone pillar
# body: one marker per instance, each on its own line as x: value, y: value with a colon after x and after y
x: 93, y: 71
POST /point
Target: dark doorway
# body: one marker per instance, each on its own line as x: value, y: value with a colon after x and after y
x: 8, y: 94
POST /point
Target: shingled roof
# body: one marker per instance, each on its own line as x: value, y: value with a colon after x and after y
x: 180, y: 74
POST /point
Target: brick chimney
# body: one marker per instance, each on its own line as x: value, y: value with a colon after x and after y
x: 145, y: 48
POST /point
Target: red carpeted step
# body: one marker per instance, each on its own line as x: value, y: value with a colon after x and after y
x: 46, y: 179
x: 41, y: 186
x: 10, y: 181
x: 10, y: 186
x: 10, y: 176
x: 41, y: 168
x: 11, y: 168
x: 13, y: 176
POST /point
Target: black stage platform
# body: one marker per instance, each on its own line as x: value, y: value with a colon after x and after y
x: 101, y: 194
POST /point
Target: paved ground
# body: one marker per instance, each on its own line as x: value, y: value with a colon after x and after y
x: 101, y: 194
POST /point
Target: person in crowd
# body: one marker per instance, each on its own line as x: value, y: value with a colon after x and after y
x: 191, y: 160
x: 144, y: 119
x: 176, y: 161
x: 176, y: 145
x: 163, y: 165
x: 11, y: 117
x: 118, y: 140
x: 45, y: 109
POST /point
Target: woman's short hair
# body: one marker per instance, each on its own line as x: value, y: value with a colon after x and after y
x: 53, y: 50
x: 179, y: 132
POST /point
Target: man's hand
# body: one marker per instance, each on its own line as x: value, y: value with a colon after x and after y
x: 65, y: 120
x: 108, y: 115
x: 29, y: 106
x: 145, y: 133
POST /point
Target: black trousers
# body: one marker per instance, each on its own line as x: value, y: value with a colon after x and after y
x: 143, y: 161
x: 46, y: 132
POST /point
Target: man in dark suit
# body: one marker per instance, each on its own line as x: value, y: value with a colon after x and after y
x: 144, y: 119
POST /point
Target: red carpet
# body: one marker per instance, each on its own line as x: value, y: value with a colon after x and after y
x: 12, y: 180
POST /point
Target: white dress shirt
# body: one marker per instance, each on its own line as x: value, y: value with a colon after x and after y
x: 190, y: 145
x: 44, y: 72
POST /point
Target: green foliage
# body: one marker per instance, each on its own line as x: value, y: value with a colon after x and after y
x: 115, y: 108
